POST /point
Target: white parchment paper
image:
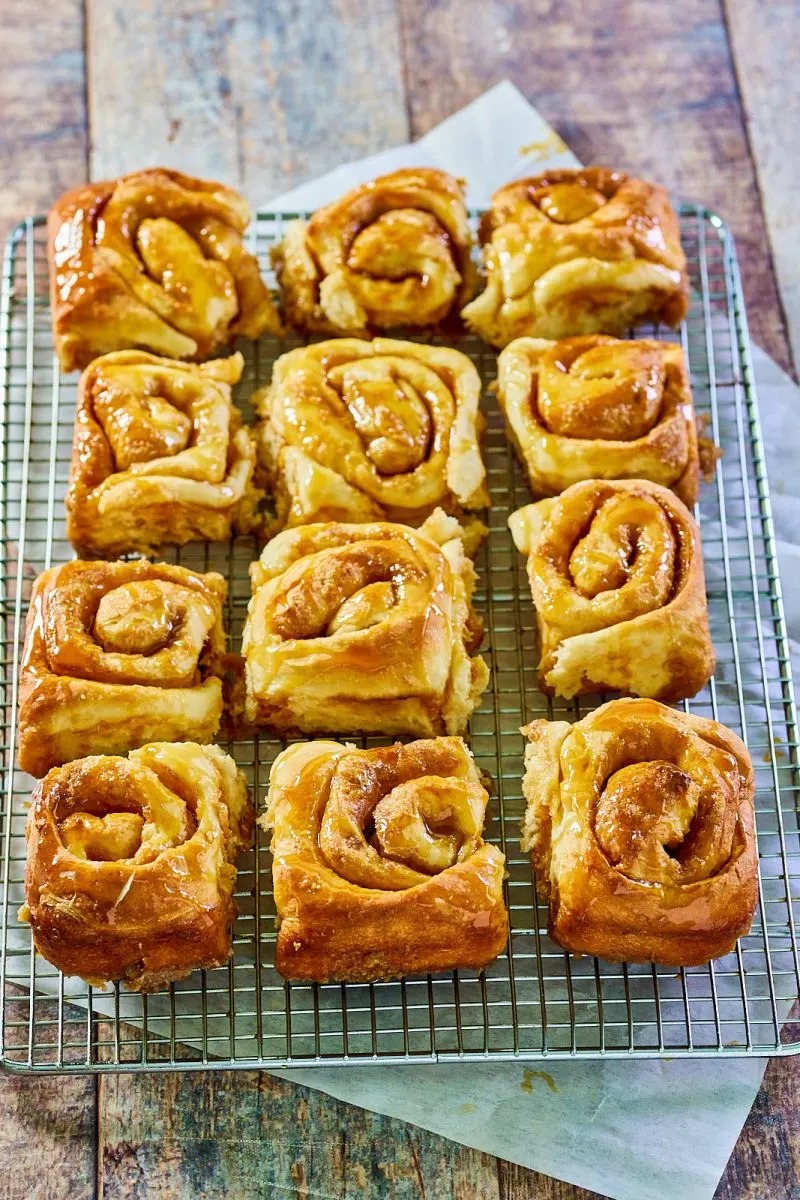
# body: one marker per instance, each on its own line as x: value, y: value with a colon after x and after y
x: 631, y: 1130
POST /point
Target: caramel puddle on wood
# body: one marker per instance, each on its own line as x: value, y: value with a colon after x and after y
x: 528, y: 1077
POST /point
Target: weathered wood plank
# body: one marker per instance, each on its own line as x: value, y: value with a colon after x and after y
x: 648, y: 87
x: 43, y: 1121
x: 47, y: 1137
x: 516, y: 1183
x: 244, y: 1135
x: 765, y: 44
x: 766, y: 1159
x: 259, y: 95
x: 43, y: 130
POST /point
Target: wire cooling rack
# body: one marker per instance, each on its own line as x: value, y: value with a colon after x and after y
x: 535, y: 1001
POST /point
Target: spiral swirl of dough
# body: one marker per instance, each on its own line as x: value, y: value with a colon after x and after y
x: 578, y: 252
x: 665, y: 794
x: 118, y: 654
x: 616, y: 575
x: 598, y: 408
x: 363, y: 430
x: 128, y: 856
x: 393, y: 252
x: 156, y: 260
x: 393, y: 820
x: 380, y: 867
x: 609, y: 556
x: 641, y: 830
x: 159, y: 455
x: 364, y: 627
x: 135, y: 623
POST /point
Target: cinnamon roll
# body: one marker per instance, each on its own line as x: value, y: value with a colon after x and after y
x: 117, y: 655
x: 616, y: 574
x: 578, y: 251
x: 597, y: 408
x: 154, y: 261
x: 641, y: 831
x: 159, y: 455
x: 364, y: 431
x: 396, y: 251
x: 130, y: 871
x: 364, y: 628
x: 380, y: 868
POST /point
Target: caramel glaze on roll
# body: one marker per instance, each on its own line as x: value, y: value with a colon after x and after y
x: 616, y: 575
x: 153, y: 261
x: 579, y: 251
x: 116, y: 655
x: 641, y: 830
x: 130, y: 869
x: 364, y: 628
x: 159, y: 455
x: 363, y: 431
x: 380, y: 868
x: 598, y: 408
x: 393, y: 252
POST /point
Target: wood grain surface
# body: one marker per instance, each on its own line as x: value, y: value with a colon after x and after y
x: 264, y: 95
x: 43, y: 131
x: 765, y: 48
x: 259, y: 95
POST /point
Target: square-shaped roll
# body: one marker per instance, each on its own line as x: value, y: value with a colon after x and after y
x: 159, y: 455
x: 616, y: 575
x: 153, y: 261
x: 130, y: 871
x: 364, y: 431
x: 599, y: 408
x: 380, y: 868
x: 393, y: 252
x: 364, y: 628
x: 117, y: 655
x: 578, y: 251
x: 641, y: 830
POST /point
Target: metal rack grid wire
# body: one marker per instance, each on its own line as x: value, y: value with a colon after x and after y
x: 536, y: 1001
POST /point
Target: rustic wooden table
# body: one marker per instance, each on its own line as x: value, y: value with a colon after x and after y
x: 699, y: 94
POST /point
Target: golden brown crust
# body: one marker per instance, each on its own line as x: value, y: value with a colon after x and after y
x: 640, y: 826
x: 616, y: 575
x: 364, y: 628
x: 159, y: 455
x: 130, y: 863
x: 423, y: 892
x: 117, y: 655
x: 577, y: 252
x: 392, y: 252
x: 598, y: 408
x: 155, y: 261
x: 359, y: 431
